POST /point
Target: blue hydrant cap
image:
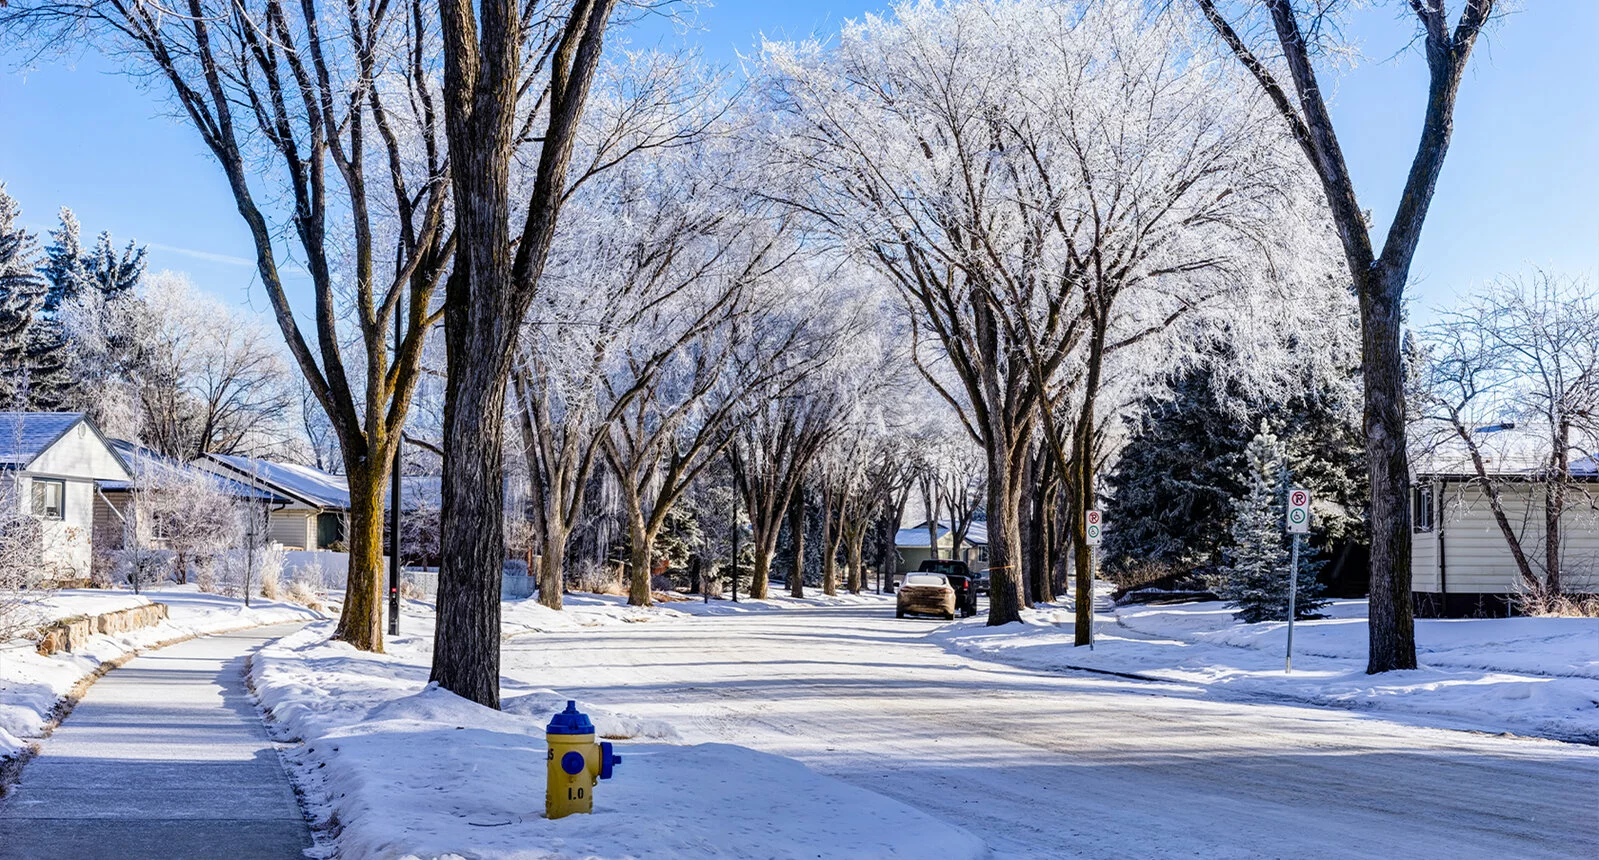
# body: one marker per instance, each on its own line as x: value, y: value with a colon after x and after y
x: 570, y: 722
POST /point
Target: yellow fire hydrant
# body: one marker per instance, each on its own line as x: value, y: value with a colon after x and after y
x: 574, y: 763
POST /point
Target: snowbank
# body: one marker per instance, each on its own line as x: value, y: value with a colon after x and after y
x: 32, y: 685
x: 1530, y: 676
x: 400, y: 768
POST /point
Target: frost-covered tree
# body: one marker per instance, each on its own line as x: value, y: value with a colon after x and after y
x: 210, y: 380
x: 325, y: 120
x: 73, y: 271
x: 657, y: 252
x: 1278, y: 42
x: 185, y: 512
x: 103, y: 337
x: 21, y: 297
x: 1255, y: 577
x: 1054, y: 188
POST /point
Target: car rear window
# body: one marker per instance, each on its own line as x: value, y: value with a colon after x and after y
x: 926, y: 579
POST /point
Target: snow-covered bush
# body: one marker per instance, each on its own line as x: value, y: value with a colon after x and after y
x: 253, y: 569
x: 598, y: 578
x: 24, y: 578
x: 1255, y: 577
x: 142, y: 567
x: 301, y: 591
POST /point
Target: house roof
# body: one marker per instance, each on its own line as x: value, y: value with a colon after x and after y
x: 915, y: 536
x: 144, y: 463
x: 303, y: 483
x: 26, y: 435
x: 323, y: 489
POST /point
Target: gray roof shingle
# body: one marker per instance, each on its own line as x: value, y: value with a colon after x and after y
x: 25, y: 435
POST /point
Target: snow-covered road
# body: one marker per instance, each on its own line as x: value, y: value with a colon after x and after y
x: 1044, y: 764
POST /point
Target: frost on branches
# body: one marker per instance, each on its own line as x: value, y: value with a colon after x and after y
x: 1255, y: 578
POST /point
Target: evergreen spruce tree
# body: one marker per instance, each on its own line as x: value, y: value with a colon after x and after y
x: 87, y: 291
x: 1255, y: 578
x: 21, y: 295
x: 1173, y: 486
x: 71, y: 270
x: 64, y: 263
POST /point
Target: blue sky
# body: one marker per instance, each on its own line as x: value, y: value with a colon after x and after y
x: 1520, y: 185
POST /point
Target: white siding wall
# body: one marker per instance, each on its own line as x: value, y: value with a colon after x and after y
x: 77, y: 459
x: 1477, y: 559
x: 79, y: 454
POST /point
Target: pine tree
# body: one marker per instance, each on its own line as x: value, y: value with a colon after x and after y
x: 1172, y: 488
x: 71, y: 270
x: 1255, y: 578
x: 21, y: 295
x: 64, y: 266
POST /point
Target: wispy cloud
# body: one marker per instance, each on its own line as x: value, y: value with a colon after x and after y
x: 204, y: 255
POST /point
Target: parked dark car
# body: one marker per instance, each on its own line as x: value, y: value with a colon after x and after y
x: 925, y: 594
x: 961, y: 579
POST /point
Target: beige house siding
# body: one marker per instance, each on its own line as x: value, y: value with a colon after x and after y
x: 295, y: 528
x: 1476, y: 557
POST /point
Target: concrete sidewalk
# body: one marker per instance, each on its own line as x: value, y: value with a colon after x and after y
x: 165, y: 758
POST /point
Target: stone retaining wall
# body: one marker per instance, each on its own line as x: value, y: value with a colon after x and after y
x: 70, y: 634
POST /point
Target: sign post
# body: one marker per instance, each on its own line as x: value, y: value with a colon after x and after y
x: 1297, y: 523
x: 1094, y: 525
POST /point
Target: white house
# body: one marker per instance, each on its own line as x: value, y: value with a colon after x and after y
x: 1461, y: 563
x: 912, y: 545
x: 49, y: 465
x: 313, y: 504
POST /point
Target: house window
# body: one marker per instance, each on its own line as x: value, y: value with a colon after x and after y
x: 982, y: 554
x: 49, y: 499
x: 1421, y: 509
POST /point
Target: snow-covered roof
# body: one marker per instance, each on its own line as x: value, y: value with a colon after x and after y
x: 142, y: 462
x: 323, y: 489
x: 1586, y: 466
x: 1506, y: 453
x: 308, y: 484
x: 26, y: 435
x: 976, y: 534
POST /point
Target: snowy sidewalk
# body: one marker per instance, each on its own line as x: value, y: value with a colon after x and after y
x: 165, y: 757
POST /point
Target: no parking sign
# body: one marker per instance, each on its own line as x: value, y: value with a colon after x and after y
x: 1093, y: 529
x: 1298, y: 511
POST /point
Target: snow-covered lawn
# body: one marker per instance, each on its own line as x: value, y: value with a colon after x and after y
x: 1532, y: 676
x: 32, y: 685
x: 401, y: 768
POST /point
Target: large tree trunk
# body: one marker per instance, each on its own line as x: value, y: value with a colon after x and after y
x: 552, y: 564
x: 361, y: 618
x: 1038, y: 524
x: 796, y: 529
x: 761, y: 574
x: 638, y: 557
x: 829, y: 546
x: 1004, y: 541
x: 466, y: 646
x: 857, y: 571
x: 1391, y: 620
x: 1082, y: 480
